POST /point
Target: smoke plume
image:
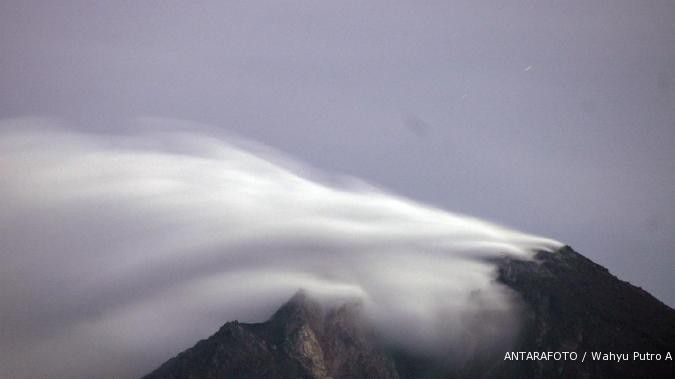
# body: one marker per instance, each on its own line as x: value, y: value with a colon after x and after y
x: 119, y: 250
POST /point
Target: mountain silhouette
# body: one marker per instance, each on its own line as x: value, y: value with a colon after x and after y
x: 566, y: 304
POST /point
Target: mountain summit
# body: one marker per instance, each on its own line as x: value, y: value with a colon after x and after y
x: 567, y: 304
x: 299, y: 341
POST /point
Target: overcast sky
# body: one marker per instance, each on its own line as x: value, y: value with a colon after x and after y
x: 557, y: 118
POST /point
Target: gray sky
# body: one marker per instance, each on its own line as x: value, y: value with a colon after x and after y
x: 556, y: 118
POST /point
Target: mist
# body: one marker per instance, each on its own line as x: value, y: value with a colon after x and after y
x: 119, y: 249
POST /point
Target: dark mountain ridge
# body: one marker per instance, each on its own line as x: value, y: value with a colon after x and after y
x: 567, y: 304
x: 574, y: 304
x: 300, y: 340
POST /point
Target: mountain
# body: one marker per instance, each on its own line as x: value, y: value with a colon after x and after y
x: 567, y: 303
x: 298, y: 341
x: 574, y: 304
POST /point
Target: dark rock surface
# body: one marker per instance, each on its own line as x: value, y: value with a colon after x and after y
x: 573, y: 304
x: 299, y: 341
x: 567, y: 303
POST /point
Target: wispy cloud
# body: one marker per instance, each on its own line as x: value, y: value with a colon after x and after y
x: 132, y: 246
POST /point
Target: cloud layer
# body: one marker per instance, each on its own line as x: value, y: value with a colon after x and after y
x: 129, y: 247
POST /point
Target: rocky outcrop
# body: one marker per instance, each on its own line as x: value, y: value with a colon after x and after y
x: 300, y: 340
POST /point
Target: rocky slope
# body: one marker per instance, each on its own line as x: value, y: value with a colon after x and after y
x: 574, y: 304
x: 299, y: 341
x: 567, y: 303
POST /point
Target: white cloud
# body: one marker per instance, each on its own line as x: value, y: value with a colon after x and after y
x: 134, y: 246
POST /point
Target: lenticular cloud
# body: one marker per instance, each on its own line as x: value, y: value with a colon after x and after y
x: 129, y: 247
